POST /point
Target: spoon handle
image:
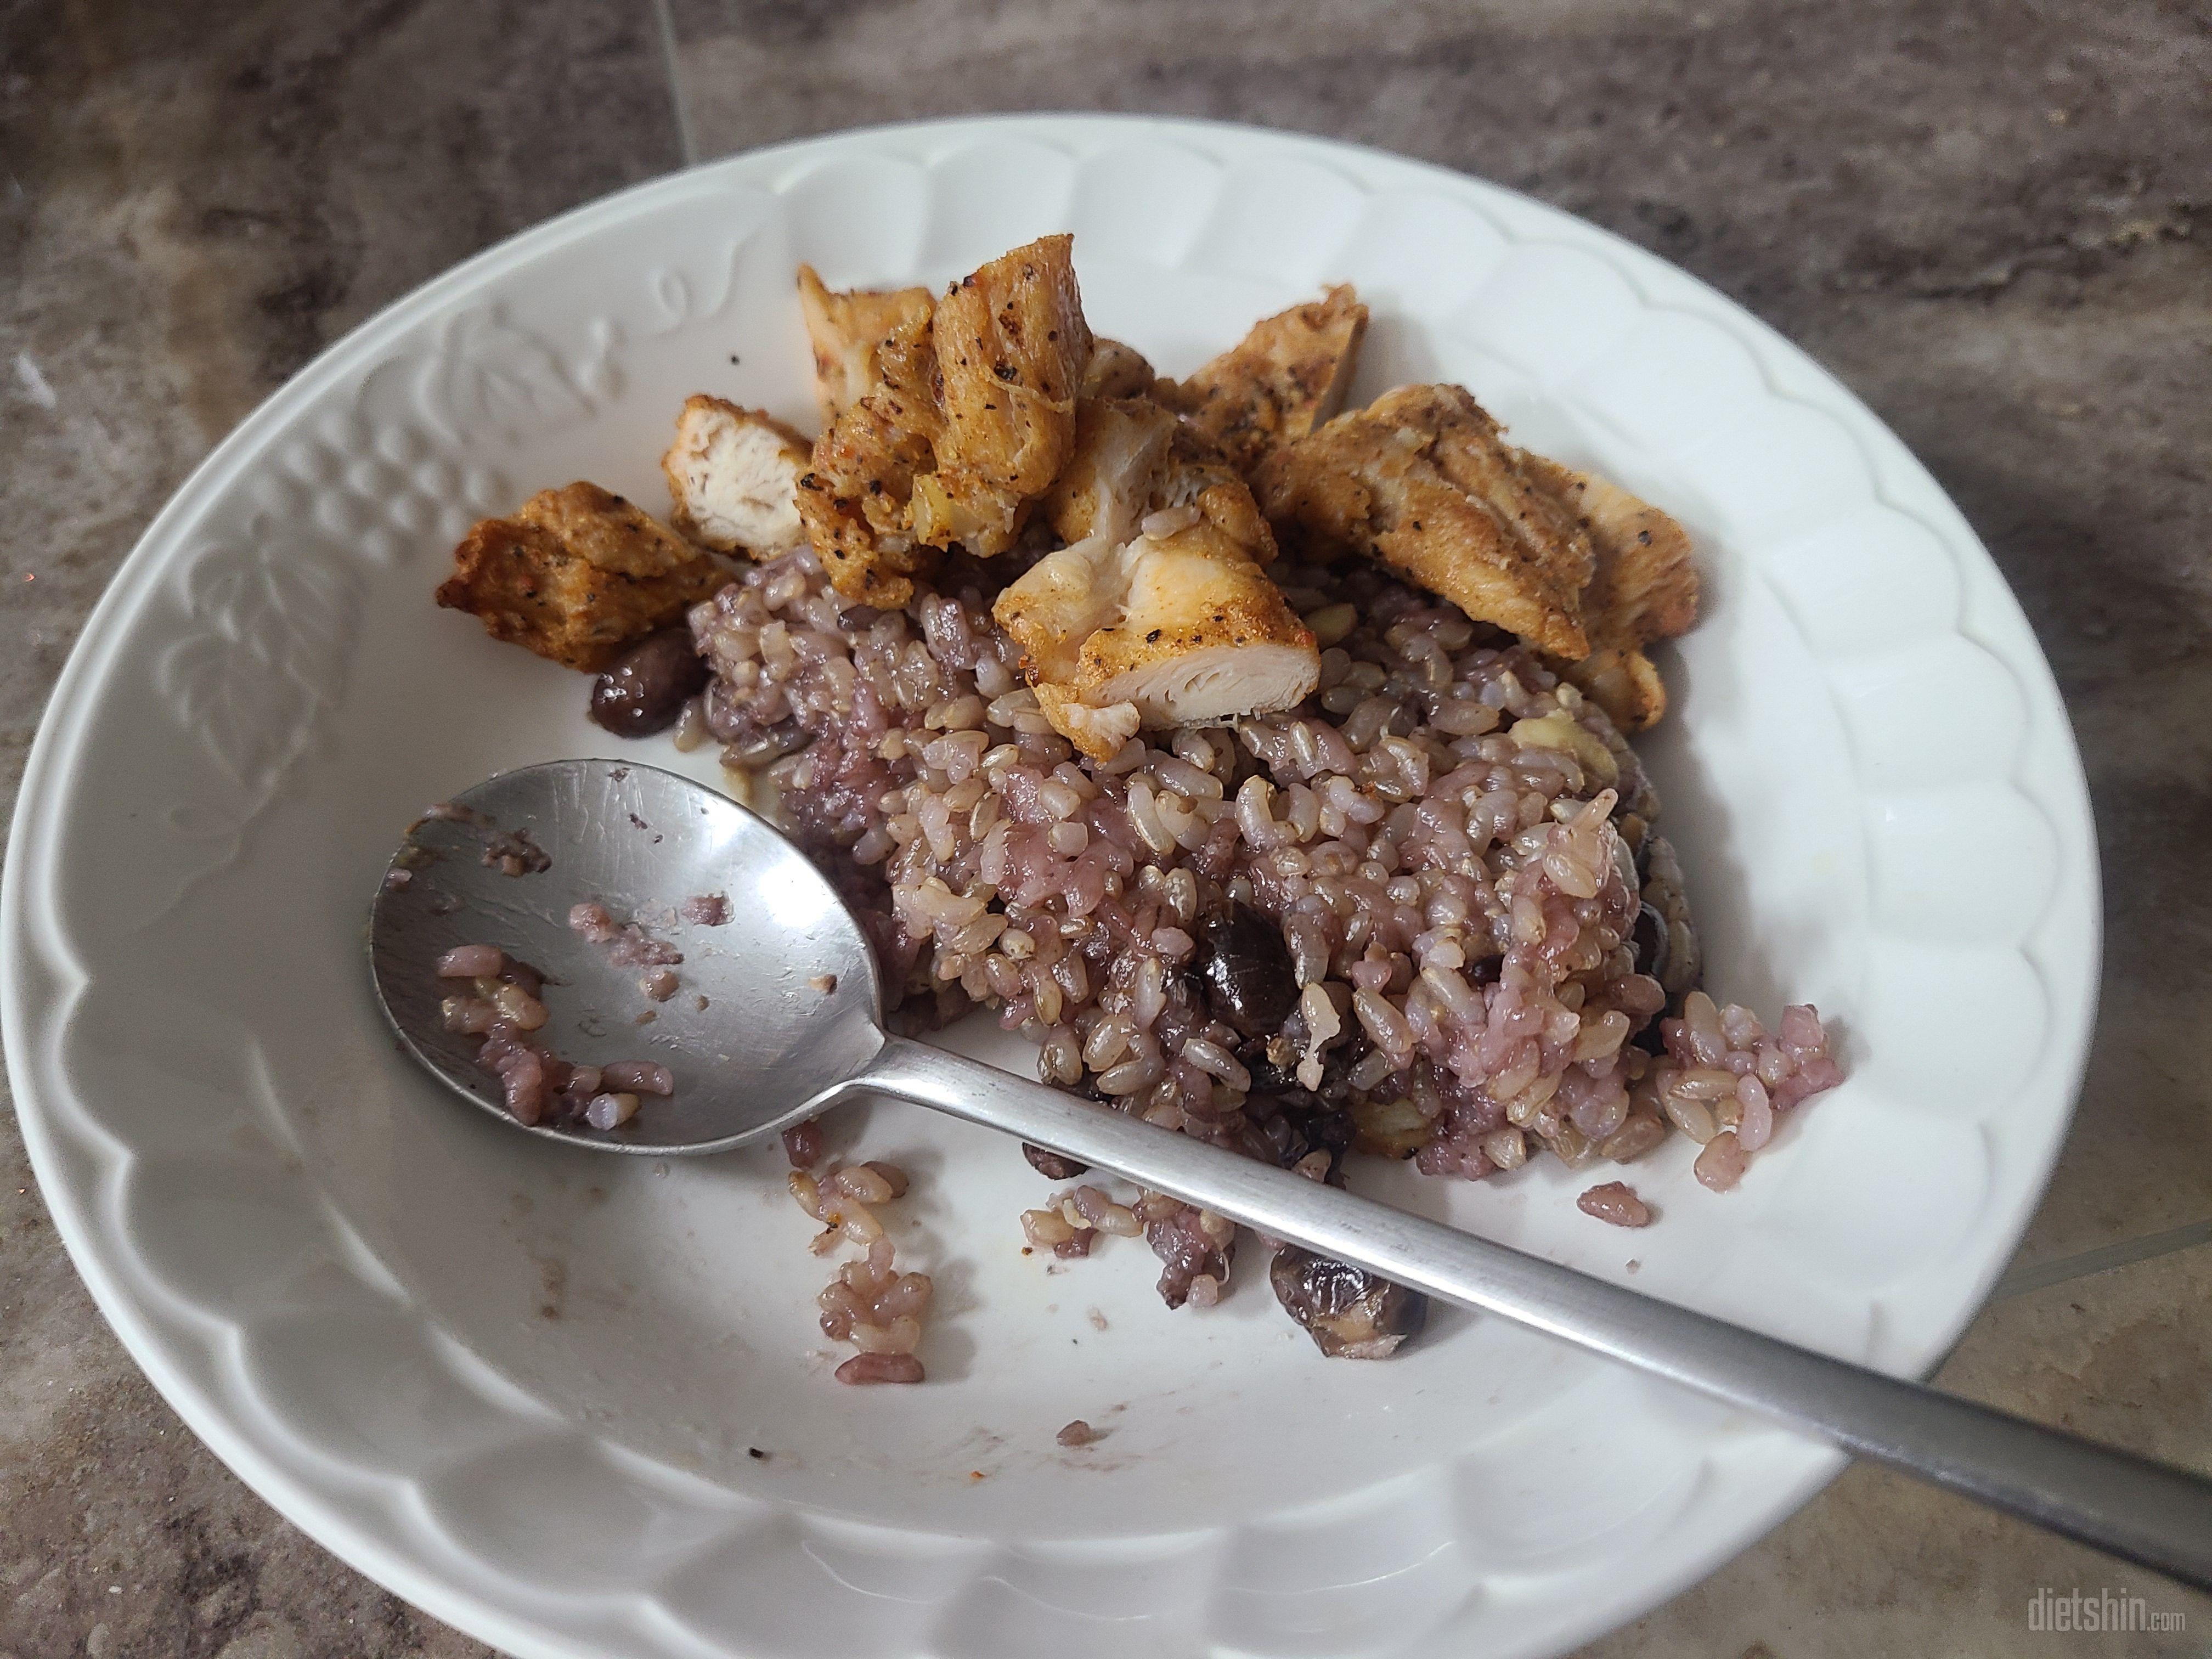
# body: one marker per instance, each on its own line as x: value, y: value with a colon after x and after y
x: 2149, y: 1513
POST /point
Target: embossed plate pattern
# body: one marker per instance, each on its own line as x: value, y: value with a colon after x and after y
x: 524, y: 1388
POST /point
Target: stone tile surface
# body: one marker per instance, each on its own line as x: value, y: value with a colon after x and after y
x: 1990, y: 219
x: 193, y: 201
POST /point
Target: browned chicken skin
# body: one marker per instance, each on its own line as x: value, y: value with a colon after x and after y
x: 1421, y: 480
x: 1284, y: 379
x: 1012, y: 348
x: 576, y: 575
x: 1644, y: 588
x: 846, y: 328
x: 1158, y: 613
x: 855, y: 497
x: 971, y: 418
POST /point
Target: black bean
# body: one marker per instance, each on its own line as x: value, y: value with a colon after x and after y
x: 1334, y: 1131
x: 802, y: 1144
x: 1245, y: 968
x: 1651, y: 938
x: 1186, y: 1251
x: 1276, y: 1076
x: 1269, y: 1076
x: 1287, y: 1129
x: 1051, y: 1165
x: 1350, y: 1313
x: 649, y: 683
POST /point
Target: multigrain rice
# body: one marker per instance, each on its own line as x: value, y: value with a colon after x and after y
x: 502, y: 1008
x: 1450, y: 851
x: 869, y: 1303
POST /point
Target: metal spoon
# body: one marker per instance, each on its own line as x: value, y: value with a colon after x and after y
x: 779, y: 1019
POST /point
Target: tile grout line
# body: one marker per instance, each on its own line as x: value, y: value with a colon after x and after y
x: 666, y: 21
x: 2103, y: 1259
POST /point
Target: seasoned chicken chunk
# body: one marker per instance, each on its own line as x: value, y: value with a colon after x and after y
x: 1196, y: 475
x: 1278, y: 383
x: 1051, y: 611
x: 1421, y: 480
x: 855, y: 495
x: 1011, y: 347
x: 1644, y: 588
x: 1117, y: 371
x: 1157, y: 612
x: 971, y: 418
x: 1645, y: 585
x: 1121, y: 445
x: 1203, y: 634
x: 576, y: 575
x: 845, y: 330
x: 733, y: 475
x: 1133, y: 457
x: 1176, y: 627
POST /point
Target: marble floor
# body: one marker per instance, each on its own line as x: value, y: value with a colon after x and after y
x: 1991, y: 218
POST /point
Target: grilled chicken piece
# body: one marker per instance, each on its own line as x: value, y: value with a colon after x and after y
x: 855, y: 497
x: 733, y: 475
x: 577, y: 574
x: 971, y: 418
x: 1121, y: 445
x: 1177, y: 628
x: 1159, y: 613
x: 1645, y: 588
x: 1117, y: 371
x: 1051, y: 611
x: 1421, y: 480
x: 1011, y: 348
x: 846, y: 328
x: 1278, y: 383
x: 1133, y: 457
x: 1203, y: 634
x: 1197, y: 476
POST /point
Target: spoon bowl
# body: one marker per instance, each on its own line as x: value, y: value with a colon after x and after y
x: 774, y: 1007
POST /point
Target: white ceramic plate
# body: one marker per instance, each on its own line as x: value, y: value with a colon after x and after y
x: 521, y: 1385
